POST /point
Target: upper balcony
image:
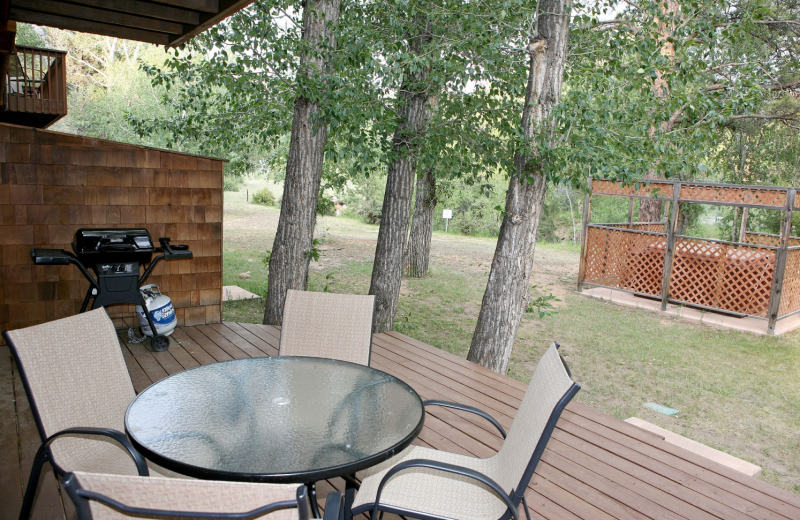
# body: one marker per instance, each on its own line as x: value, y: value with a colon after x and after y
x: 34, y: 88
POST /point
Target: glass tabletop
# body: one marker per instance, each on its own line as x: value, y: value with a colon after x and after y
x: 274, y: 419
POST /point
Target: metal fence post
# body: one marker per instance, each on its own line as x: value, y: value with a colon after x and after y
x: 780, y: 263
x: 587, y: 212
x: 670, y: 253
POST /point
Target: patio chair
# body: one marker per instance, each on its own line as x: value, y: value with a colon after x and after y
x: 79, y: 388
x: 334, y: 326
x: 327, y: 325
x: 430, y: 484
x: 116, y: 497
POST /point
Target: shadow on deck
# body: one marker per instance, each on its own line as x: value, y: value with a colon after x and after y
x: 595, y: 466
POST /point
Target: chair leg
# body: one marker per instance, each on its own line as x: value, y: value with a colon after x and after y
x: 312, y: 498
x: 525, y: 505
x: 349, y: 498
x: 33, y: 484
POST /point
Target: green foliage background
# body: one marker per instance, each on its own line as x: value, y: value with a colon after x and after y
x: 230, y: 94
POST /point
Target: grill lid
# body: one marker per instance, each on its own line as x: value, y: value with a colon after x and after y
x: 112, y: 245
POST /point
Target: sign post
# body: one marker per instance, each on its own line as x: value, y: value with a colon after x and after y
x: 447, y: 214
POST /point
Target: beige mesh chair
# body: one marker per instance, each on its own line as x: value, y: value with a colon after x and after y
x: 328, y: 325
x: 79, y: 388
x: 430, y: 484
x: 118, y: 497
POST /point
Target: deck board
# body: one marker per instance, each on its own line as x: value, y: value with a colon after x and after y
x: 10, y: 474
x: 595, y: 467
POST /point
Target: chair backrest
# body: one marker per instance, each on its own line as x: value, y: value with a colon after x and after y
x: 74, y: 374
x: 179, y: 495
x: 328, y: 325
x: 549, y: 391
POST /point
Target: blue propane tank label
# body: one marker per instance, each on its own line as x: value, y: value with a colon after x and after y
x: 164, y: 315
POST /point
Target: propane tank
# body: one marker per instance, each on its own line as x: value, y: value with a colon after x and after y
x: 161, y: 311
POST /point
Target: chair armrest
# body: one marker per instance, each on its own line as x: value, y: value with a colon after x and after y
x: 121, y: 438
x: 334, y: 506
x: 448, y: 468
x: 147, y: 512
x: 466, y: 408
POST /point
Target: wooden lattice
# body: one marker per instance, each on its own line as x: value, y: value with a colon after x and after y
x: 790, y: 295
x: 653, y: 227
x: 657, y: 189
x: 763, y: 239
x: 624, y: 260
x: 732, y: 278
x: 757, y: 196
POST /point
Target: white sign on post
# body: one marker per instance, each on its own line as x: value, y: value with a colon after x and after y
x: 447, y: 214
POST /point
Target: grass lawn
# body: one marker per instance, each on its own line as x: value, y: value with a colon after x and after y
x: 736, y: 392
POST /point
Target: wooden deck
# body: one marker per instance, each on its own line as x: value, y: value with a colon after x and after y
x: 595, y: 467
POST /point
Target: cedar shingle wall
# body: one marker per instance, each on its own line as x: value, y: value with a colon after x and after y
x: 51, y: 184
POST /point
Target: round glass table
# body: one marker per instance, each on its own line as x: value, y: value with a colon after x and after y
x: 274, y: 419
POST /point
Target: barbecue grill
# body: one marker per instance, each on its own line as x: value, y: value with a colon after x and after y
x: 115, y: 256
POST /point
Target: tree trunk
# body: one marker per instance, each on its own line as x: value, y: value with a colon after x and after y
x: 387, y: 271
x: 506, y: 295
x: 290, y: 256
x: 418, y: 249
x: 650, y: 209
x: 413, y: 115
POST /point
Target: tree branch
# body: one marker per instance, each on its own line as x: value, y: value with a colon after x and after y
x: 765, y: 117
x: 784, y: 86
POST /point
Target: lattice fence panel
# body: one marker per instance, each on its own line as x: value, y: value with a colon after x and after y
x: 732, y: 278
x: 605, y: 256
x: 657, y: 189
x: 761, y: 239
x: 747, y: 280
x: 624, y: 260
x: 695, y: 271
x: 644, y: 270
x: 790, y: 295
x: 653, y: 227
x: 758, y: 196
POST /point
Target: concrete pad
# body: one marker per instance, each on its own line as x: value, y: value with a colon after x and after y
x: 712, y: 319
x: 697, y: 448
x: 234, y: 292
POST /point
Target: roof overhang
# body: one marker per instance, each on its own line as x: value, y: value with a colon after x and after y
x: 162, y: 22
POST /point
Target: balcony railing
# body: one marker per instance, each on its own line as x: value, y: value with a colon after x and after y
x: 35, y: 89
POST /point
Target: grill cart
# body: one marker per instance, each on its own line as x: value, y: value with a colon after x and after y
x: 115, y: 256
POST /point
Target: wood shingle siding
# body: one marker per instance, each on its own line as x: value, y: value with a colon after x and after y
x: 52, y: 184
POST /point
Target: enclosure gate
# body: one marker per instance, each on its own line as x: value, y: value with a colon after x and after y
x: 757, y: 276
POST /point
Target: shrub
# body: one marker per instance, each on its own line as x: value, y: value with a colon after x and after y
x: 231, y: 184
x: 325, y: 207
x: 365, y: 198
x: 264, y: 197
